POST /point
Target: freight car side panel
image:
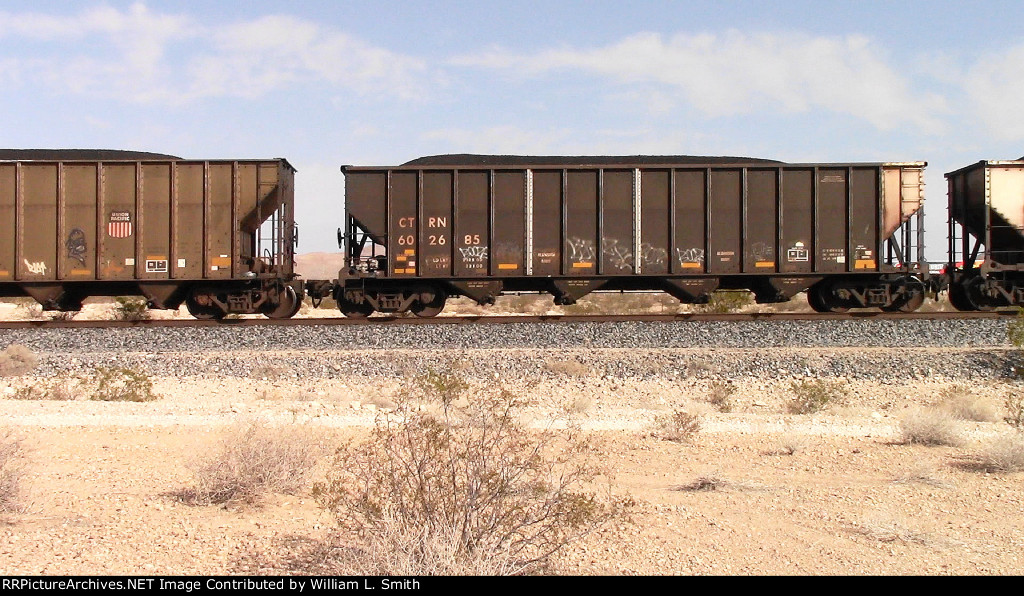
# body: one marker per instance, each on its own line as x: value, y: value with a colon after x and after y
x: 547, y: 222
x: 402, y: 216
x: 8, y: 221
x: 189, y: 223
x: 472, y: 227
x: 831, y: 232
x: 38, y: 259
x: 655, y: 188
x: 118, y: 222
x: 726, y: 221
x: 248, y: 194
x: 509, y: 230
x: 78, y: 235
x: 617, y: 243
x: 863, y: 219
x: 581, y: 242
x: 797, y: 221
x: 760, y: 219
x: 155, y: 222
x: 436, y: 225
x: 690, y: 248
x: 220, y: 221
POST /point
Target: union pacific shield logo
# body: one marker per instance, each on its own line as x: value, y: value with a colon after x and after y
x: 120, y: 224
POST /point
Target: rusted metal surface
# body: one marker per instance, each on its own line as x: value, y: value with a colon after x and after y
x: 521, y: 218
x: 78, y: 223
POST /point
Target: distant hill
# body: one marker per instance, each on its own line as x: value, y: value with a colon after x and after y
x: 319, y: 265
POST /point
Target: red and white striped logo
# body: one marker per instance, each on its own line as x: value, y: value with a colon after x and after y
x: 120, y: 224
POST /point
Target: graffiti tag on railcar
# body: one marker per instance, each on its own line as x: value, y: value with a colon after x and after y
x: 37, y: 267
x: 690, y: 257
x: 76, y: 245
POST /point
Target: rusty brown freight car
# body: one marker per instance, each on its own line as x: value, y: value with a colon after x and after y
x: 217, y: 235
x: 478, y: 226
x: 986, y: 235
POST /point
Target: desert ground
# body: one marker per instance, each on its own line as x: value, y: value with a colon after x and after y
x: 755, y: 489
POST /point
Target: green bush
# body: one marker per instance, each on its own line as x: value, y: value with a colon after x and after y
x: 123, y: 384
x: 813, y: 395
x: 131, y: 308
x: 726, y: 301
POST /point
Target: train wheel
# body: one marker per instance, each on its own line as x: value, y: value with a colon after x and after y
x: 821, y: 300
x: 430, y: 303
x: 911, y: 300
x: 290, y: 304
x: 972, y: 290
x: 202, y: 312
x: 353, y: 310
x: 958, y: 298
x: 815, y: 301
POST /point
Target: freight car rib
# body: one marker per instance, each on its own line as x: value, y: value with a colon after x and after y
x: 479, y: 225
x: 216, y: 235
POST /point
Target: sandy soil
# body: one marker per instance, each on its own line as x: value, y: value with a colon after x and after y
x: 830, y: 493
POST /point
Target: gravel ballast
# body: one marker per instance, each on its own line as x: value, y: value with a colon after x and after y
x: 632, y: 335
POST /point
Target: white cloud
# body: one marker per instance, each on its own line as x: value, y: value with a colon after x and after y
x: 738, y: 73
x: 252, y: 58
x: 995, y: 90
x: 151, y: 57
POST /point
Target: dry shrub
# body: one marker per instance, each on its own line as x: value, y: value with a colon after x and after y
x: 959, y: 402
x: 791, y: 443
x: 1015, y: 410
x: 55, y: 389
x: 720, y: 396
x: 680, y: 426
x: 16, y: 359
x: 813, y: 395
x: 464, y: 490
x: 883, y: 527
x: 1004, y: 454
x: 11, y: 472
x: 253, y: 461
x: 930, y: 426
x: 703, y: 484
x: 921, y: 473
x: 123, y: 384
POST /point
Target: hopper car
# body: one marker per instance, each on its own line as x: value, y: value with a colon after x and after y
x: 849, y: 234
x: 219, y: 236
x: 216, y: 235
x: 986, y: 235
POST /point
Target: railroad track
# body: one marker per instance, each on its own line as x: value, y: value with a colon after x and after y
x: 505, y: 319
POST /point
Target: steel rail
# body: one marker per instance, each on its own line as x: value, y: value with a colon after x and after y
x: 504, y: 319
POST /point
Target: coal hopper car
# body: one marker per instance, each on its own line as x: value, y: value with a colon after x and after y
x: 985, y: 267
x: 216, y: 235
x: 849, y: 234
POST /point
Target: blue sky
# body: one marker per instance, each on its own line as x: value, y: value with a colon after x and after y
x: 379, y: 83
